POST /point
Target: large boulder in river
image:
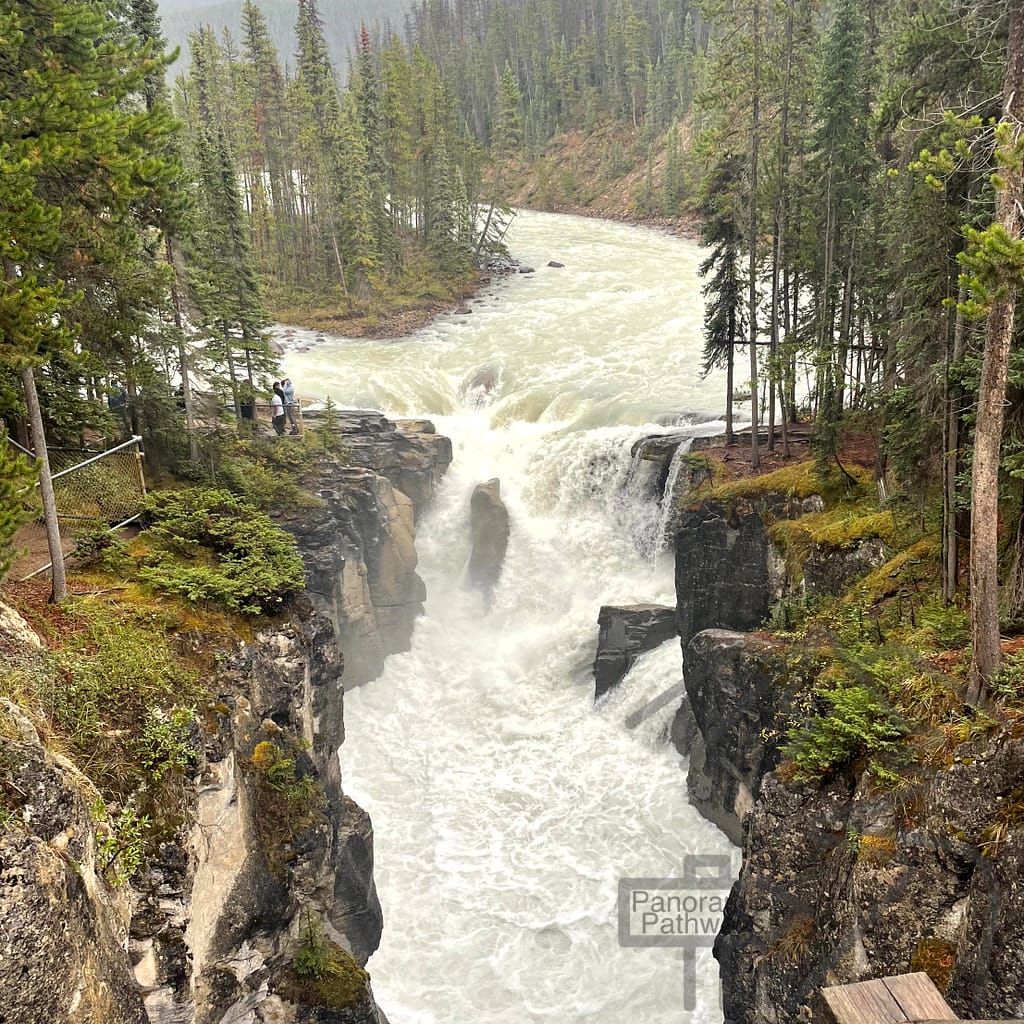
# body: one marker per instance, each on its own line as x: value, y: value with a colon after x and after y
x: 489, y: 530
x: 626, y: 632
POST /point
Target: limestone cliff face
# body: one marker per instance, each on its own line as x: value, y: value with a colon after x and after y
x: 359, y: 546
x: 265, y: 860
x: 728, y: 572
x: 62, y: 928
x: 271, y: 850
x: 734, y: 701
x: 840, y: 881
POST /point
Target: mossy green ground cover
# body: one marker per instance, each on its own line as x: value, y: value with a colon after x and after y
x: 877, y: 672
x: 123, y: 684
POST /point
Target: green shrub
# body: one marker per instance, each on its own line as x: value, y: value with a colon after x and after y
x: 120, y: 842
x: 324, y: 974
x: 167, y: 741
x: 212, y: 546
x: 1008, y: 683
x: 860, y: 721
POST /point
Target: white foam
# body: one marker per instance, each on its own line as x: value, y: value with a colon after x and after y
x: 505, y: 806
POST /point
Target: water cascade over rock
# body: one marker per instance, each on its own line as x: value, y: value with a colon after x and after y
x: 506, y: 807
x: 625, y: 633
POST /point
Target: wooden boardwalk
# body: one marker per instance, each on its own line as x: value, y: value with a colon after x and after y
x: 906, y: 997
x: 901, y: 999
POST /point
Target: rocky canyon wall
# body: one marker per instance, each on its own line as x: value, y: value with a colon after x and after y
x: 842, y: 879
x: 271, y: 856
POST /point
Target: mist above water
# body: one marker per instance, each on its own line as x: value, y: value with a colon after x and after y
x: 505, y: 806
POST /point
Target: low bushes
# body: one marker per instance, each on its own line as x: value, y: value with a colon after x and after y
x: 212, y: 546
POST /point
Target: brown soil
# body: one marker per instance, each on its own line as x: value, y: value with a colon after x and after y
x: 31, y: 598
x: 856, y: 450
x: 601, y: 172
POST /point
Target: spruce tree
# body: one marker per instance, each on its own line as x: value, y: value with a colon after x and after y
x: 722, y: 233
x: 78, y: 158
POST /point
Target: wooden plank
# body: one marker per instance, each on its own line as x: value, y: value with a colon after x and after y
x: 863, y: 1002
x: 918, y: 997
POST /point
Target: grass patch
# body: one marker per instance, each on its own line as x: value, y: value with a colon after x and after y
x: 111, y: 692
x: 801, y: 480
x: 107, y: 693
x: 795, y: 939
x: 914, y: 569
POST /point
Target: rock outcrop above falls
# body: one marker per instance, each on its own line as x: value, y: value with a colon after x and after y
x: 854, y: 876
x: 359, y: 543
x: 728, y: 574
x: 625, y: 632
x: 264, y: 853
x: 409, y: 454
x: 735, y: 700
x: 489, y: 529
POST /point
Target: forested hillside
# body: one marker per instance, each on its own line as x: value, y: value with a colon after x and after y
x: 342, y: 22
x: 147, y: 232
x: 846, y: 165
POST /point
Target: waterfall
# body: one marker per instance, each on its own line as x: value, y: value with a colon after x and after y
x: 672, y: 496
x: 506, y: 807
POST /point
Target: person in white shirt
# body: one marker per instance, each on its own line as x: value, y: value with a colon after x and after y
x: 277, y: 408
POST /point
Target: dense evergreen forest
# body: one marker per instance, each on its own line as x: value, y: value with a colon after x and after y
x: 855, y: 170
x: 855, y: 167
x: 145, y: 229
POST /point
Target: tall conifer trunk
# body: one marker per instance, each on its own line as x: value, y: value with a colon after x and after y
x: 755, y: 450
x: 988, y: 432
x: 775, y: 377
x: 59, y: 591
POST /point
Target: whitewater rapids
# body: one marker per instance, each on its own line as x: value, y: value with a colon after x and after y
x: 505, y: 806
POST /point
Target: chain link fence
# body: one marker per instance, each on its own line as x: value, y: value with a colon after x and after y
x: 100, y: 490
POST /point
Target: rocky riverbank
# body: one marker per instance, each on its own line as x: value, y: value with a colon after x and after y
x: 879, y: 817
x: 256, y: 902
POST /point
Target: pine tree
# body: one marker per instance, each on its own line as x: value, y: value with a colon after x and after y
x: 839, y: 170
x: 78, y: 158
x: 722, y: 233
x: 16, y: 480
x: 507, y: 133
x: 672, y: 184
x: 370, y: 104
x: 223, y: 277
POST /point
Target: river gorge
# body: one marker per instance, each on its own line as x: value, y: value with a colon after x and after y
x: 505, y: 807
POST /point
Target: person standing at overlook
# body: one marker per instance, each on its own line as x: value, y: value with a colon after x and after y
x: 290, y: 404
x: 277, y: 408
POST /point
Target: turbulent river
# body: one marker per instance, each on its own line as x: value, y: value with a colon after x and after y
x: 505, y: 806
